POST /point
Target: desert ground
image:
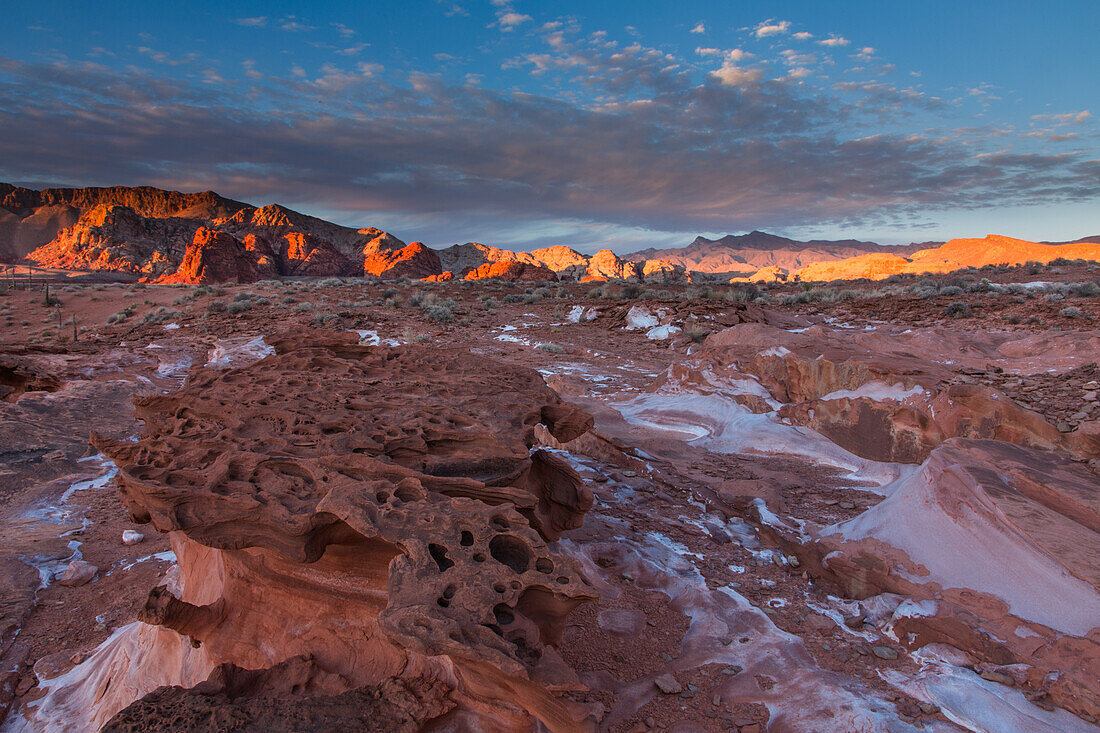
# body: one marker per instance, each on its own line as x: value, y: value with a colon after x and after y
x: 866, y: 505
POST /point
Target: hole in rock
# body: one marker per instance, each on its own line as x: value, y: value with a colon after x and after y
x: 499, y: 522
x: 467, y: 539
x: 479, y: 557
x: 449, y: 592
x: 382, y: 497
x: 503, y: 614
x: 544, y: 565
x: 404, y: 493
x: 499, y: 587
x: 562, y: 579
x: 443, y: 602
x: 511, y: 551
x: 439, y: 554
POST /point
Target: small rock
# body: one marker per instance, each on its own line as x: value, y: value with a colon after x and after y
x: 668, y: 684
x: 1082, y: 415
x: 884, y: 652
x: 752, y: 728
x: 928, y: 708
x: 24, y: 686
x: 998, y: 677
x: 630, y: 473
x: 600, y: 478
x: 854, y: 622
x: 1064, y: 427
x: 78, y: 573
x: 847, y: 505
x: 732, y: 671
x: 132, y: 537
x: 693, y: 688
x: 830, y: 502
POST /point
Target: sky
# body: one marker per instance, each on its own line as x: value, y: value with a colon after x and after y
x: 590, y: 124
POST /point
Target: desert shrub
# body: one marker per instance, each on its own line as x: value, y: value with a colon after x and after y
x: 551, y: 348
x: 515, y: 298
x: 218, y: 306
x: 958, y: 310
x: 303, y: 307
x: 239, y: 306
x: 1071, y: 312
x: 1086, y: 289
x: 330, y: 282
x: 491, y: 303
x: 160, y: 315
x: 122, y: 315
x: 438, y: 313
x: 1053, y: 297
x: 951, y: 290
x: 414, y: 300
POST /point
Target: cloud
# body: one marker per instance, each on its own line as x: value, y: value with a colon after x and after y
x: 1066, y: 118
x: 699, y: 28
x: 292, y: 24
x: 772, y: 28
x: 637, y: 140
x: 733, y: 75
x: 833, y: 41
x: 257, y: 22
x: 510, y: 20
x: 802, y: 36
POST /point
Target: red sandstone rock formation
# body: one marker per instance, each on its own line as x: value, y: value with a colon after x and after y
x: 379, y: 512
x: 886, y: 396
x: 30, y: 219
x: 444, y: 276
x: 216, y: 256
x: 511, y: 271
x: 954, y: 255
x: 606, y: 264
x: 390, y: 258
x: 148, y: 232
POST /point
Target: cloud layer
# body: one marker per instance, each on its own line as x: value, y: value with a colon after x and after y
x: 614, y: 135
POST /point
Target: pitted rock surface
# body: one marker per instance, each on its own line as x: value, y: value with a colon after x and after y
x: 423, y: 456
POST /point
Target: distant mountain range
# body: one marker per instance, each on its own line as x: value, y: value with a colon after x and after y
x: 169, y: 236
x: 734, y: 255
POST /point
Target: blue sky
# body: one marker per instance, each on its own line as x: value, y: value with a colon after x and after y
x: 621, y: 124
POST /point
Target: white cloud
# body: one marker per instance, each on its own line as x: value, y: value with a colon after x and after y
x: 866, y: 52
x: 510, y: 20
x: 699, y: 28
x: 772, y: 28
x: 258, y: 22
x: 737, y: 76
x: 1066, y: 118
x: 834, y: 41
x: 803, y: 36
x: 708, y: 51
